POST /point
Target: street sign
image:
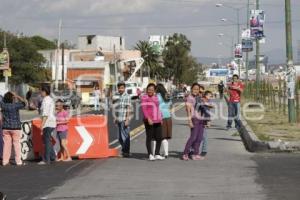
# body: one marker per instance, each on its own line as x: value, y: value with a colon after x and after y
x: 7, y: 72
x: 247, y: 45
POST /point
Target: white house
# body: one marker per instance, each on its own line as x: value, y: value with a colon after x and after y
x: 104, y: 43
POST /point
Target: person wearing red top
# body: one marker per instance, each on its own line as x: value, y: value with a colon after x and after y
x: 235, y: 89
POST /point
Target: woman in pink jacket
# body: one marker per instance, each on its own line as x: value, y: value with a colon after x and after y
x: 152, y: 121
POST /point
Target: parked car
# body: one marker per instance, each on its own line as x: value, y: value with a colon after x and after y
x: 132, y: 89
x: 70, y: 98
x: 178, y: 94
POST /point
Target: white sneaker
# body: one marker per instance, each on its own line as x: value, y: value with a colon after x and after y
x: 151, y: 157
x: 159, y: 157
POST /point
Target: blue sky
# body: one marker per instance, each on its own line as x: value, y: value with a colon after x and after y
x: 137, y: 19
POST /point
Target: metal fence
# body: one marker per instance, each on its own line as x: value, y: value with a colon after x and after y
x: 273, y: 95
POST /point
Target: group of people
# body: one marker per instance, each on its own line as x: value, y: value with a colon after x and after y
x: 156, y: 107
x: 54, y: 118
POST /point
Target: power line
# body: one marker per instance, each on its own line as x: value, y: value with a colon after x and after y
x: 230, y: 3
x: 135, y: 27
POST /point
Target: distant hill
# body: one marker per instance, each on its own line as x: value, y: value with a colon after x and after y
x: 275, y: 56
x: 208, y: 60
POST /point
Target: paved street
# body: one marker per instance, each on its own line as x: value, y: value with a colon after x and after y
x: 229, y: 172
x: 28, y: 115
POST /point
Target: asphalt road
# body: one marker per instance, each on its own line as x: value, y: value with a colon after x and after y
x: 228, y: 173
x: 279, y: 175
x: 113, y: 134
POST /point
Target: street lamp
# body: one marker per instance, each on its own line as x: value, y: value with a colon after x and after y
x: 237, y: 22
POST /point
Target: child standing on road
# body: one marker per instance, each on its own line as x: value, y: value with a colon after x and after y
x: 62, y: 118
x: 165, y: 107
x: 206, y: 106
x: 196, y: 124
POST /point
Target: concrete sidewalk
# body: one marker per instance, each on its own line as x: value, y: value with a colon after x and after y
x: 228, y: 172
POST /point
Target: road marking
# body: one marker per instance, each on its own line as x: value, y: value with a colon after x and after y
x: 75, y: 165
x: 87, y: 139
x: 113, y: 142
x: 141, y: 129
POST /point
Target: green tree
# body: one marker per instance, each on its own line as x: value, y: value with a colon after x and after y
x: 150, y: 57
x: 42, y: 43
x: 178, y: 62
x: 25, y: 61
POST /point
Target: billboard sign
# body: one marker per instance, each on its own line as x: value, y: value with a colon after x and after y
x: 218, y: 72
x: 257, y: 21
x: 4, y: 60
x: 247, y: 45
x: 238, y: 51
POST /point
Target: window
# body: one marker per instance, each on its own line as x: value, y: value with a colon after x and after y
x: 90, y: 39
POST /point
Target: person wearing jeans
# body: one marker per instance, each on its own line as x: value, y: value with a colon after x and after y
x: 122, y: 110
x: 49, y: 151
x: 233, y: 114
x: 204, y: 143
x: 235, y: 89
x: 11, y: 126
x: 48, y: 125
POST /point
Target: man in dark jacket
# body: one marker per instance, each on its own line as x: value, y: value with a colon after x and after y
x: 221, y: 89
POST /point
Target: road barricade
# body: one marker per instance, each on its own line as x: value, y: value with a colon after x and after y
x: 26, y: 142
x: 87, y: 137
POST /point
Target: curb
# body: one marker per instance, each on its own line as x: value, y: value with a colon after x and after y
x: 254, y: 144
x: 250, y: 140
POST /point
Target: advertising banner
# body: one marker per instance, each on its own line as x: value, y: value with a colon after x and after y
x: 4, y: 60
x: 257, y: 20
x: 238, y: 51
x: 218, y: 72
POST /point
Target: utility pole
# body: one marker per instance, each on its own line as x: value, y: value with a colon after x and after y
x: 5, y: 49
x: 257, y: 61
x: 57, y: 55
x: 247, y: 53
x: 291, y: 73
x: 238, y: 37
x: 115, y: 65
x: 63, y: 62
